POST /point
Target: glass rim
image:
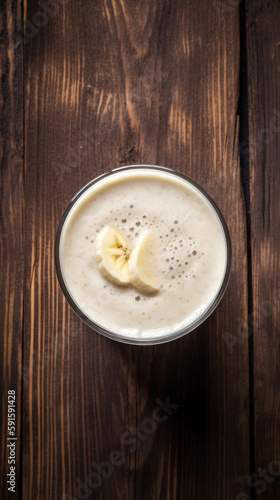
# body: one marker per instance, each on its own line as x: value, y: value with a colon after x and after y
x: 140, y: 340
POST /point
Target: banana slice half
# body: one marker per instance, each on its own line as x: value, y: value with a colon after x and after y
x: 119, y: 264
x: 112, y: 254
x: 141, y: 263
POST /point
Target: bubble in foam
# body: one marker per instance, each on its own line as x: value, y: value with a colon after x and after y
x: 172, y: 230
x: 131, y: 229
x: 137, y: 223
x: 194, y: 252
x: 124, y: 220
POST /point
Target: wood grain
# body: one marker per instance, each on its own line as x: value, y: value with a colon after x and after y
x: 11, y: 230
x: 110, y: 83
x: 263, y: 39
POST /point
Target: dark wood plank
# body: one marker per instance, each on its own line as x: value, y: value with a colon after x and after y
x: 263, y: 40
x: 110, y: 83
x: 11, y: 231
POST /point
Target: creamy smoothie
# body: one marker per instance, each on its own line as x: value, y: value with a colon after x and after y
x: 143, y: 253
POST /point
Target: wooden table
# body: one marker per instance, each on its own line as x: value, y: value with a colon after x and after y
x: 100, y: 84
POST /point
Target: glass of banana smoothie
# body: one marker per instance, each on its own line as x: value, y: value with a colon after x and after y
x: 143, y: 254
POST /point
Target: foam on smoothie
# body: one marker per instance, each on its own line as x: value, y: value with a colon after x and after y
x: 188, y: 261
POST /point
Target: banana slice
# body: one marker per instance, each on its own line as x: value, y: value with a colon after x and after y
x: 141, y: 263
x: 112, y: 255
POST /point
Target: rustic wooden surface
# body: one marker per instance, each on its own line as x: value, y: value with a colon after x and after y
x: 109, y: 83
x: 263, y: 34
x: 11, y: 227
